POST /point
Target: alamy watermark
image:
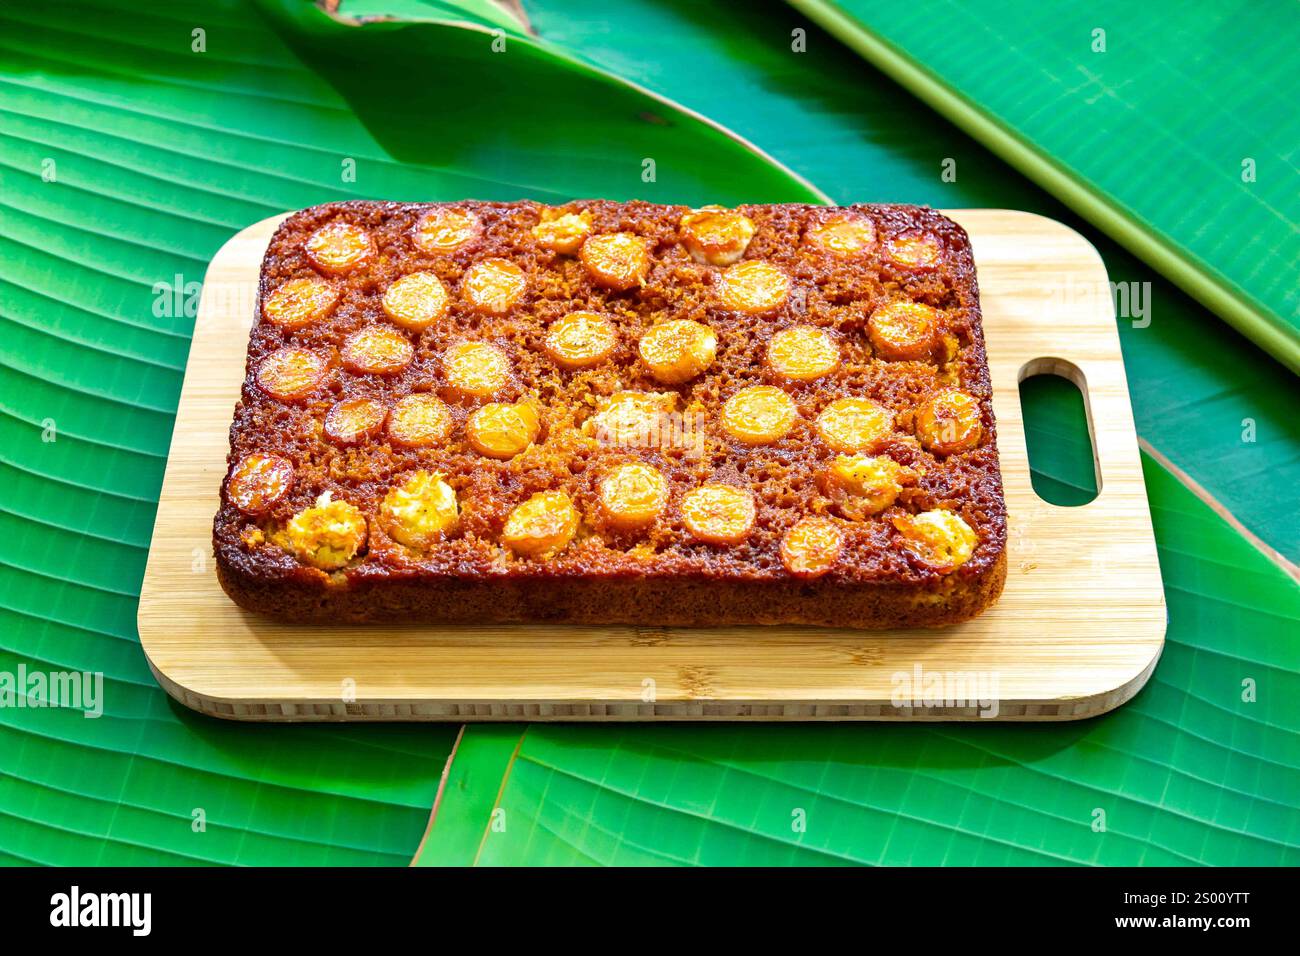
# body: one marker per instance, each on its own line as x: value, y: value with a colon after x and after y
x: 684, y: 431
x: 929, y: 688
x: 75, y: 908
x: 179, y: 296
x: 1131, y: 300
x: 76, y: 690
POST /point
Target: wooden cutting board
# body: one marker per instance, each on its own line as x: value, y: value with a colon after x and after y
x: 1077, y: 631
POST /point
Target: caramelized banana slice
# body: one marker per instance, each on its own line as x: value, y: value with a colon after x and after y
x: 678, y: 350
x: 475, y: 369
x: 940, y: 538
x: 419, y: 512
x: 718, y: 514
x: 339, y: 248
x: 562, y: 232
x: 259, y: 481
x: 327, y: 535
x: 861, y: 485
x: 803, y: 353
x: 759, y: 415
x: 542, y: 526
x: 949, y: 422
x: 443, y: 231
x: 904, y: 331
x: 354, y: 420
x: 494, y: 286
x: 913, y: 251
x: 631, y: 419
x: 300, y: 302
x: 416, y: 301
x: 842, y: 234
x: 376, y: 350
x: 580, y: 340
x: 633, y: 495
x: 855, y: 424
x: 812, y: 547
x: 716, y: 236
x: 502, y: 431
x: 753, y: 287
x: 290, y: 373
x: 617, y: 261
x: 419, y: 420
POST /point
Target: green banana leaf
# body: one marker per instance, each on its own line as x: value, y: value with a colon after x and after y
x: 161, y: 156
x: 1189, y: 772
x: 1174, y: 765
x: 1204, y: 397
x: 1062, y: 468
x: 153, y: 154
x: 1168, y: 124
x: 476, y: 14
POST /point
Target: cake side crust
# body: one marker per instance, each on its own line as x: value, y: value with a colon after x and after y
x: 632, y: 601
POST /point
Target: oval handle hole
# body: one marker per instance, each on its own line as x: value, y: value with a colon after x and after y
x: 1062, y: 459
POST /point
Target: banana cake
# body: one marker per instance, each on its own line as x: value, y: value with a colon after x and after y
x: 607, y: 412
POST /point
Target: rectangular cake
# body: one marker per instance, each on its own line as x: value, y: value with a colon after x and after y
x: 609, y: 412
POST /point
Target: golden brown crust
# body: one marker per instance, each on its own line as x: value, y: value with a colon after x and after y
x: 666, y: 602
x: 659, y: 573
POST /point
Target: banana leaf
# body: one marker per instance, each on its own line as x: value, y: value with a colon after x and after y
x: 131, y: 148
x: 1202, y: 767
x: 1205, y: 398
x: 1170, y: 765
x: 1165, y: 123
x: 159, y: 156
